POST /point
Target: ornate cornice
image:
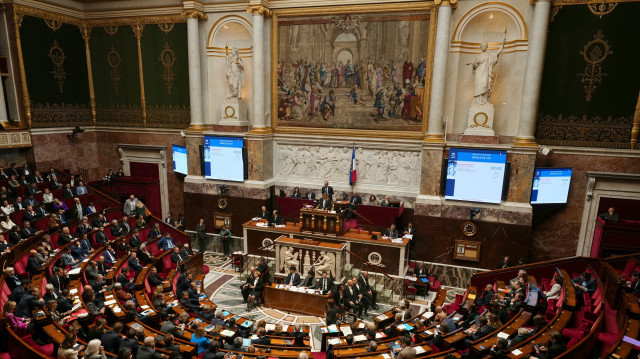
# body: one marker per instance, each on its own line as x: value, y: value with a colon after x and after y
x: 258, y: 10
x: 452, y: 3
x: 195, y: 14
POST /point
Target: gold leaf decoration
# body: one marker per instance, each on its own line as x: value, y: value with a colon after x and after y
x: 57, y: 58
x: 594, y: 54
x: 168, y: 59
x: 114, y: 60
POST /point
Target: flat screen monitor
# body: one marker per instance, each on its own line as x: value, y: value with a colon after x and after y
x: 475, y: 175
x: 179, y: 159
x: 550, y: 185
x: 223, y: 159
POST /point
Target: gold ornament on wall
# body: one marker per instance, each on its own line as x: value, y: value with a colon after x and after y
x: 166, y: 28
x: 57, y: 58
x: 53, y: 24
x: 594, y: 54
x: 111, y: 30
x: 602, y: 9
x: 168, y: 59
x: 114, y: 60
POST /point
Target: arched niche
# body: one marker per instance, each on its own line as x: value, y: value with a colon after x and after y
x: 226, y: 33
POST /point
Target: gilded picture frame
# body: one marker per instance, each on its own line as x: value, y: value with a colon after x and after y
x: 346, y: 16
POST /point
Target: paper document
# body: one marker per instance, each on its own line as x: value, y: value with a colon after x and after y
x: 360, y: 338
x: 419, y: 350
x: 516, y: 352
x: 333, y: 341
x: 346, y: 330
x: 503, y: 335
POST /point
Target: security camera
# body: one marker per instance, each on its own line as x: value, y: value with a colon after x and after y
x: 183, y: 134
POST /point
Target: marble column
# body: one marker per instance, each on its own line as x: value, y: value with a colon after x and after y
x: 195, y: 83
x: 443, y: 35
x: 533, y: 75
x: 4, y: 117
x: 258, y: 122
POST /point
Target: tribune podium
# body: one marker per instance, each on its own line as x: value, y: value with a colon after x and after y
x: 318, y: 221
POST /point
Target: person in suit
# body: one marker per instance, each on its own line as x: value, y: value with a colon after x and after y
x: 101, y: 265
x: 262, y: 337
x: 225, y: 238
x: 125, y: 227
x: 184, y: 282
x: 59, y: 279
x: 363, y: 296
x: 67, y: 192
x: 11, y: 278
x: 504, y: 263
x: 256, y: 291
x: 175, y: 256
x: 486, y: 297
x: 27, y: 231
x: 328, y: 190
x: 82, y: 228
x: 584, y: 284
x: 391, y: 232
x: 483, y: 330
x: 14, y: 235
x: 76, y: 251
x: 410, y: 229
x: 85, y: 245
x: 632, y: 286
x: 154, y: 232
x: 207, y: 313
x: 166, y: 242
x: 310, y: 280
x: 610, y: 215
x: 148, y: 350
x: 293, y: 278
x: 29, y: 302
x: 168, y: 219
x: 325, y: 203
x: 144, y: 254
x: 31, y: 201
x: 29, y: 214
x: 264, y: 214
x: 309, y: 195
x: 189, y: 303
x: 352, y: 298
x: 262, y: 265
x: 386, y: 202
x: 201, y: 232
x: 130, y: 205
x: 325, y: 284
x: 134, y: 262
x: 64, y: 238
x: 363, y: 280
x: 34, y: 265
x: 185, y: 252
x: 99, y: 221
x: 296, y: 193
x: 517, y: 303
x: 245, y: 288
x: 193, y: 290
x: 134, y: 240
x: 406, y: 352
x: 65, y: 301
x: 91, y: 271
x: 111, y: 339
x: 110, y: 256
x: 276, y: 218
x: 33, y: 189
x: 169, y: 326
x: 554, y: 347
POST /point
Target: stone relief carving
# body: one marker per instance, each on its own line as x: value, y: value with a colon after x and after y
x: 333, y: 163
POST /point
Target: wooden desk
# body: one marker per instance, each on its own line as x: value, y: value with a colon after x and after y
x: 258, y: 241
x: 305, y: 303
x: 315, y: 220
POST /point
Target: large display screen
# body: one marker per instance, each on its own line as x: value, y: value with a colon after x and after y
x: 223, y: 158
x: 179, y: 159
x: 475, y: 175
x: 550, y: 185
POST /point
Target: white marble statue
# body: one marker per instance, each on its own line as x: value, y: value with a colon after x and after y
x: 483, y: 71
x: 325, y: 262
x: 235, y: 75
x: 291, y: 259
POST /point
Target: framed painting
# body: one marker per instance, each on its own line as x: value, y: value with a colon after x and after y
x: 346, y: 69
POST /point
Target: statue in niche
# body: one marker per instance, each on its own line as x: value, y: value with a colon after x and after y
x: 483, y: 71
x: 235, y: 74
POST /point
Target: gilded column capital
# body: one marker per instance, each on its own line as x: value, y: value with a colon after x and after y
x: 195, y: 14
x: 452, y: 3
x: 258, y: 10
x: 85, y: 30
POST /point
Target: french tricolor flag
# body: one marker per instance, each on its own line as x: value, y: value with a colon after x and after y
x: 352, y: 173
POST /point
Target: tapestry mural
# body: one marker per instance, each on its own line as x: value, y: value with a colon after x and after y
x: 591, y: 80
x: 353, y: 71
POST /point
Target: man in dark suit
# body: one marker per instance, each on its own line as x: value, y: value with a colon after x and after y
x: 391, y: 232
x: 169, y: 326
x: 154, y: 232
x: 41, y: 211
x: 31, y: 201
x: 583, y: 284
x: 59, y: 279
x: 325, y: 203
x: 264, y: 214
x: 293, y: 278
x: 553, y: 349
x: 64, y: 238
x: 410, y: 229
x: 27, y: 231
x: 29, y: 214
x: 276, y: 218
x: 484, y: 330
x: 504, y: 263
x: 125, y: 227
x: 363, y: 279
x: 67, y: 192
x: 99, y: 221
x: 14, y: 235
x: 193, y: 290
x: 610, y: 215
x: 262, y: 338
x: 134, y: 262
x: 101, y: 237
x: 309, y: 195
x: 175, y: 256
x: 33, y: 188
x: 134, y: 240
x: 34, y: 265
x: 154, y: 278
x: 111, y: 339
x: 65, y: 301
x: 352, y: 299
x: 85, y: 245
x: 325, y: 283
x: 486, y: 296
x: 328, y: 190
x: 102, y: 266
x: 189, y: 303
x: 82, y: 228
x: 184, y: 282
x: 363, y: 296
x: 110, y: 256
x: 262, y: 265
x: 245, y: 289
x: 28, y: 303
x: 18, y: 292
x: 91, y: 271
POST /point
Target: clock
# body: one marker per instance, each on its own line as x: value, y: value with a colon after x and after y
x: 223, y: 202
x: 469, y: 229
